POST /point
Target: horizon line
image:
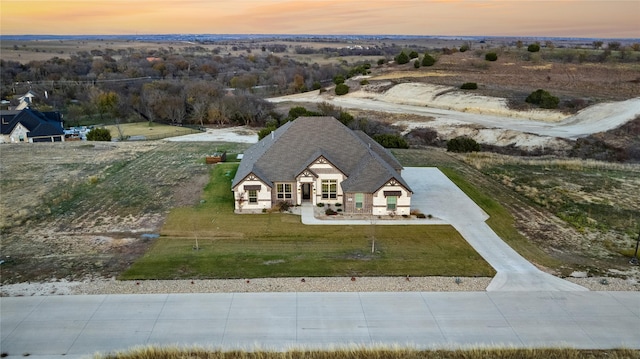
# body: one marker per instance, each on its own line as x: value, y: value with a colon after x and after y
x: 318, y: 35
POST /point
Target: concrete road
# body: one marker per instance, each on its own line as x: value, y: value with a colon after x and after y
x: 78, y: 326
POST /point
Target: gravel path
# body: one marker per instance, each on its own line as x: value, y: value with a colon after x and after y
x: 316, y: 284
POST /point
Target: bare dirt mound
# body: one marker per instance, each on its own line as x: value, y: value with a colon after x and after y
x: 487, y: 119
x: 451, y: 98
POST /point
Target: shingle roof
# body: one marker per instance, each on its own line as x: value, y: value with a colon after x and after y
x: 38, y: 123
x: 286, y: 152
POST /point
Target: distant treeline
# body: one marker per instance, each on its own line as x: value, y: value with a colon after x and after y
x: 193, y: 85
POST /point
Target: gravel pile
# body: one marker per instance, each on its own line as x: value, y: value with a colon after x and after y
x: 316, y: 284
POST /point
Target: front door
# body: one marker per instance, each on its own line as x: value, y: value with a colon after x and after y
x: 306, y: 191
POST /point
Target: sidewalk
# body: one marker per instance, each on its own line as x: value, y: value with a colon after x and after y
x: 79, y: 326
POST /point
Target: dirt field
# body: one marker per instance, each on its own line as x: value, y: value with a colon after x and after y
x: 78, y: 209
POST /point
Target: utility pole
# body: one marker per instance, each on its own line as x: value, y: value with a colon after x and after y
x: 634, y: 260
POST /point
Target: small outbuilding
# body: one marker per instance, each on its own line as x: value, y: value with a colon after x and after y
x: 216, y: 157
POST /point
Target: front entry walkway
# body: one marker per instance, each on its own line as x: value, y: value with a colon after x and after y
x: 435, y: 194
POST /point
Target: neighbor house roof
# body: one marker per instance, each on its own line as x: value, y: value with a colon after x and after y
x: 287, y: 151
x: 38, y: 123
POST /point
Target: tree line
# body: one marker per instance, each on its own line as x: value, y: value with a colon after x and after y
x: 191, y: 87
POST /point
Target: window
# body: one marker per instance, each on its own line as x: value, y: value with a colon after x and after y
x: 359, y: 200
x: 329, y: 189
x: 253, y: 196
x: 391, y: 203
x: 283, y: 190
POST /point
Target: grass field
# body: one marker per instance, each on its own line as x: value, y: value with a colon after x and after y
x: 381, y: 353
x: 598, y: 199
x: 278, y: 244
x: 150, y: 130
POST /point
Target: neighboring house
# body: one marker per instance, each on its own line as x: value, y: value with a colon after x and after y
x: 319, y: 160
x: 25, y: 100
x: 29, y: 125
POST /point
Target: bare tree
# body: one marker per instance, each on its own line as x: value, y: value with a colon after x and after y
x: 200, y: 96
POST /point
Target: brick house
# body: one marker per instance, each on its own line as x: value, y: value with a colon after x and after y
x: 29, y: 125
x: 319, y: 160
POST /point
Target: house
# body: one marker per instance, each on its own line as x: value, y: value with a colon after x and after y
x: 25, y: 100
x: 29, y: 125
x: 319, y: 160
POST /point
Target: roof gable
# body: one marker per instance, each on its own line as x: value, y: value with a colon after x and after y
x: 252, y: 177
x: 289, y: 150
x: 38, y: 123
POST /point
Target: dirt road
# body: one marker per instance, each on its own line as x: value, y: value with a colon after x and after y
x: 445, y: 113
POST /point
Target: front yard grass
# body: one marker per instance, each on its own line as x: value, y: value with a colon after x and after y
x: 210, y: 241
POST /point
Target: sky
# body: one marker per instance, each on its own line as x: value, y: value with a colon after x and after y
x: 560, y: 18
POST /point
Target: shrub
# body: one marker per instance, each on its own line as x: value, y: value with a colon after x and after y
x: 543, y: 99
x: 388, y: 140
x: 320, y: 204
x: 462, y: 144
x: 316, y: 85
x: 464, y: 48
x: 428, y: 60
x: 491, y: 56
x: 359, y: 70
x: 330, y: 212
x: 533, y: 48
x: 469, y: 86
x: 448, y: 51
x: 364, y: 82
x: 265, y: 132
x: 549, y: 102
x: 402, y: 58
x: 423, y: 136
x: 416, y: 64
x: 413, y: 55
x: 299, y: 111
x: 346, y: 118
x: 281, y: 206
x: 99, y: 134
x: 338, y: 79
x: 342, y: 89
x: 381, y: 62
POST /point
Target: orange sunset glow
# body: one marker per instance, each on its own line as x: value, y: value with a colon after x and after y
x: 570, y: 18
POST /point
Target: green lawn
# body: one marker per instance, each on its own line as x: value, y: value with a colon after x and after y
x: 279, y: 245
x: 151, y: 131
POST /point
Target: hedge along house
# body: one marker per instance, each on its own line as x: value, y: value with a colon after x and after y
x: 319, y: 160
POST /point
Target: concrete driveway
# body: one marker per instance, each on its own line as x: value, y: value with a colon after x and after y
x: 435, y: 194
